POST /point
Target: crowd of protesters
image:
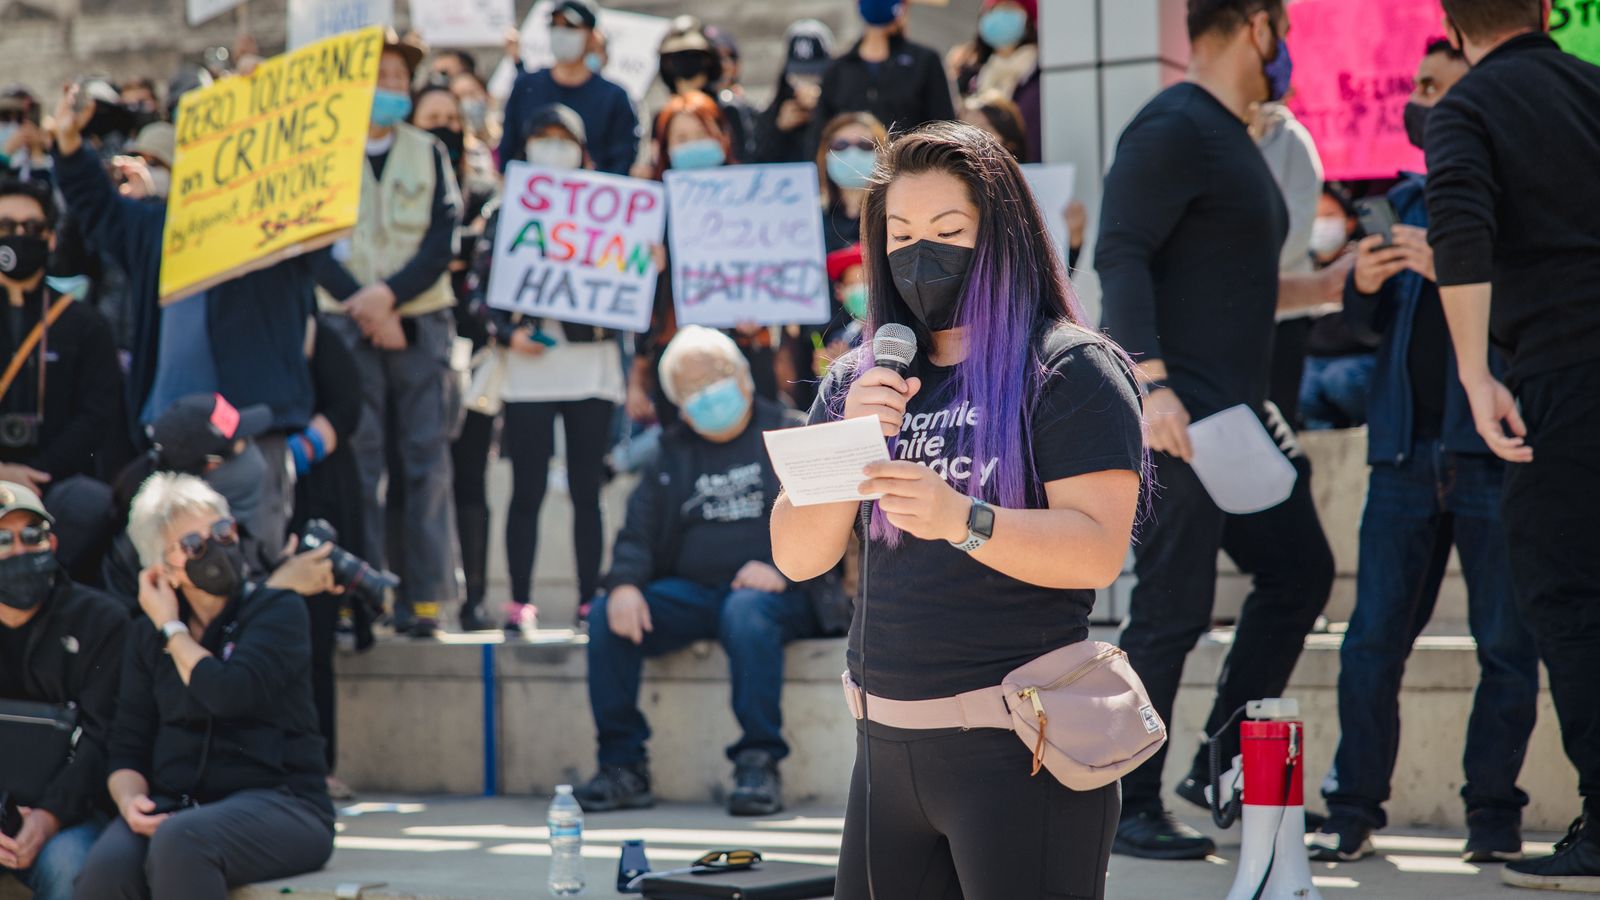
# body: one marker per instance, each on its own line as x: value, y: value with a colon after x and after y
x: 173, y: 476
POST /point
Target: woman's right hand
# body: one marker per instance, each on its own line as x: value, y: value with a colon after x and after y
x: 136, y: 812
x: 523, y: 342
x: 883, y: 395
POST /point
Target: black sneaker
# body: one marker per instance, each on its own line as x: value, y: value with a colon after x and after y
x: 1193, y: 789
x: 1575, y: 866
x: 617, y: 787
x: 423, y: 630
x: 757, y: 789
x: 1155, y: 834
x: 1493, y: 835
x: 1341, y: 839
x: 473, y: 620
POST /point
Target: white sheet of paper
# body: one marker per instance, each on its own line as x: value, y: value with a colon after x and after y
x: 1052, y: 187
x: 1238, y: 462
x: 823, y: 463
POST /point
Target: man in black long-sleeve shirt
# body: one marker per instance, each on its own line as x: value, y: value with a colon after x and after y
x: 1191, y: 230
x: 1515, y: 212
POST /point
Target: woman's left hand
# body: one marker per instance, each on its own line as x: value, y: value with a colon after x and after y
x: 156, y: 597
x: 918, y: 501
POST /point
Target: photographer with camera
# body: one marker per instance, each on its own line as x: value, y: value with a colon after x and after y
x: 60, y: 388
x: 216, y: 762
x: 60, y: 648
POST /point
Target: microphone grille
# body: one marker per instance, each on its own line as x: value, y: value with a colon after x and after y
x: 894, y: 343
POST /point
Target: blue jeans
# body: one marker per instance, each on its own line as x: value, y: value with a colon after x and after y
x: 1415, y: 511
x: 752, y: 627
x: 61, y: 859
x: 1333, y: 391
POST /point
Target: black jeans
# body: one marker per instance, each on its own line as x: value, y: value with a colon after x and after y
x: 1550, y: 510
x: 1416, y: 511
x: 469, y: 457
x: 199, y: 853
x: 1286, y: 555
x: 956, y: 816
x: 529, y: 439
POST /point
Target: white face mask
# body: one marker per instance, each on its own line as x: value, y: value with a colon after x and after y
x: 567, y: 44
x: 160, y: 181
x: 557, y: 153
x: 1327, y: 235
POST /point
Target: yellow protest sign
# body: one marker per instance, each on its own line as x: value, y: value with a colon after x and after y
x: 269, y: 165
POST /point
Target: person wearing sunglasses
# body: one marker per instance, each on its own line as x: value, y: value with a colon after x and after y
x: 60, y: 385
x: 60, y: 643
x: 217, y: 766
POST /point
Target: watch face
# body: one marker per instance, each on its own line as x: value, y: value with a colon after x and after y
x: 982, y: 520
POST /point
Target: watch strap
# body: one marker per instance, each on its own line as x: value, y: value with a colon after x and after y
x: 172, y: 629
x: 976, y: 538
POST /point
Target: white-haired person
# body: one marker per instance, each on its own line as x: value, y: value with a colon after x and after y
x: 216, y: 761
x: 694, y: 562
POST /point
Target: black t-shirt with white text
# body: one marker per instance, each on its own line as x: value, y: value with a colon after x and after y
x: 941, y: 622
x: 723, y: 524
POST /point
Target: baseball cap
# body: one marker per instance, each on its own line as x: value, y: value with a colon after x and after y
x: 576, y: 13
x: 809, y: 46
x: 558, y: 114
x: 158, y: 140
x: 14, y: 497
x: 202, y: 425
x: 840, y: 261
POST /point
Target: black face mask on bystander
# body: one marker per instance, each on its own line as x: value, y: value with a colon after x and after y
x: 26, y: 579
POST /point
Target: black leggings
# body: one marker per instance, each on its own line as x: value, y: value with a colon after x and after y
x: 529, y: 440
x: 956, y: 816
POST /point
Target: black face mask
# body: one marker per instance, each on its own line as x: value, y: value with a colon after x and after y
x: 219, y: 570
x: 929, y: 276
x: 26, y: 579
x: 686, y: 66
x: 22, y: 256
x: 1416, y: 117
x: 455, y: 143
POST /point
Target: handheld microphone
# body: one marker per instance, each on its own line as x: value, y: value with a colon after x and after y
x: 894, y: 346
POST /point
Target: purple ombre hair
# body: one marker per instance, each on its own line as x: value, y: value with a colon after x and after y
x: 1016, y: 290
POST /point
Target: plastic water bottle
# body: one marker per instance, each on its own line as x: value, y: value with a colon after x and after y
x: 566, y: 843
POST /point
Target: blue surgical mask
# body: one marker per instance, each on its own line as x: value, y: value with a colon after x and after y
x: 594, y: 62
x: 65, y: 285
x: 1001, y: 28
x: 851, y: 167
x: 1278, y: 71
x: 702, y: 154
x: 8, y: 130
x: 389, y: 108
x: 717, y: 409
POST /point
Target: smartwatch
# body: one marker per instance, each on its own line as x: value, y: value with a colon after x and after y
x: 980, y: 527
x: 172, y: 629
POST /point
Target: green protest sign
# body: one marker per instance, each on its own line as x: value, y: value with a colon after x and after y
x: 1575, y: 24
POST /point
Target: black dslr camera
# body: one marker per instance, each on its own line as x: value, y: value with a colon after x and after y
x: 357, y: 576
x: 19, y: 430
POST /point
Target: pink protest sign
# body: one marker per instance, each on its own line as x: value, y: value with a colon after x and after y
x: 1354, y: 64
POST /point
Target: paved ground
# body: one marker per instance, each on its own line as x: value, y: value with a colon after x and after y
x: 493, y: 848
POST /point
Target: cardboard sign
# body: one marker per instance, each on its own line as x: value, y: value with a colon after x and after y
x: 204, y: 10
x: 1354, y: 65
x: 269, y: 166
x: 747, y: 246
x: 1052, y: 188
x: 313, y: 20
x: 462, y: 23
x: 577, y: 246
x: 631, y: 43
x: 1575, y: 24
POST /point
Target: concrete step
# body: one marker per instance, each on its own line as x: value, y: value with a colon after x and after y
x: 438, y: 717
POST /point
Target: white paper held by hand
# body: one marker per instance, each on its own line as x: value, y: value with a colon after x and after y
x: 823, y: 463
x: 1238, y: 462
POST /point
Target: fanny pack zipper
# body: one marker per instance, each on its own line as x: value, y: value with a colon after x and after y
x: 1031, y: 694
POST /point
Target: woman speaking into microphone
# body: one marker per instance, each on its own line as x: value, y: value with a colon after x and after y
x: 1017, y: 451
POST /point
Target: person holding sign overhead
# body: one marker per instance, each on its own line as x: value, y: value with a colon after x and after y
x: 552, y: 369
x: 386, y: 291
x: 690, y: 133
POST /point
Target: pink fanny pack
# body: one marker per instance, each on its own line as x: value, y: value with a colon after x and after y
x: 1081, y: 710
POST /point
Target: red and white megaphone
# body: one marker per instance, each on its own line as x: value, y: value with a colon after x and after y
x: 1272, y: 850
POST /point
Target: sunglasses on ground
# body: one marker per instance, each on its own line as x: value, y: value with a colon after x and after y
x: 846, y: 144
x: 712, y: 862
x: 26, y: 536
x: 223, y: 531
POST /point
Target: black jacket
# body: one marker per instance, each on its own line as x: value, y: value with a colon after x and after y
x: 246, y: 718
x: 649, y: 541
x: 82, y: 411
x: 73, y: 655
x: 904, y: 91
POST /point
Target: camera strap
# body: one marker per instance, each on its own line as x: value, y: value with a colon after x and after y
x: 35, y: 337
